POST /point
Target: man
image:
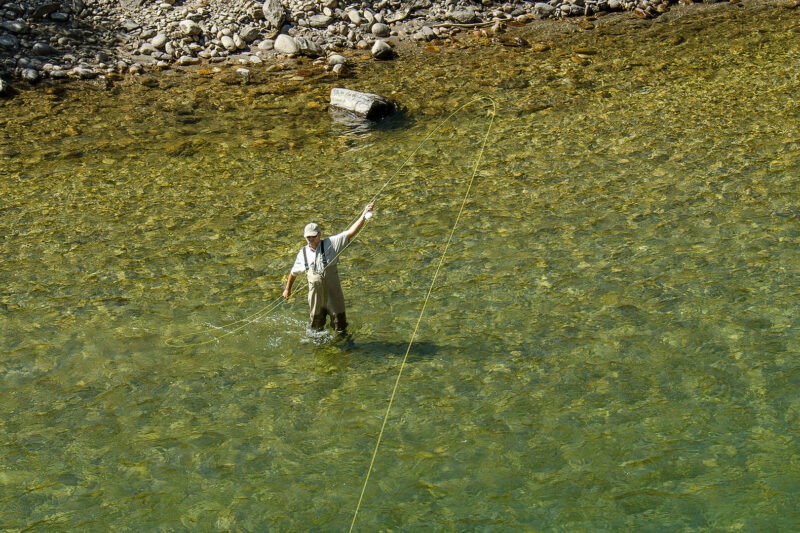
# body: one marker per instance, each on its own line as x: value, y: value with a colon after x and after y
x: 319, y: 259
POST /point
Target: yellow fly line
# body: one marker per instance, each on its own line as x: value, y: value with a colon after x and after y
x: 431, y: 286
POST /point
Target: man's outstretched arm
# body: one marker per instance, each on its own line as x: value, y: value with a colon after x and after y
x: 353, y: 230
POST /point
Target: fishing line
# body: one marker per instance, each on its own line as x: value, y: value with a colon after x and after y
x: 430, y: 288
x: 185, y: 340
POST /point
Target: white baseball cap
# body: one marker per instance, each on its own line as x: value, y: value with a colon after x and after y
x: 312, y: 230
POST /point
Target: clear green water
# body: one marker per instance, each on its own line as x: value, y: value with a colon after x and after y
x: 611, y: 344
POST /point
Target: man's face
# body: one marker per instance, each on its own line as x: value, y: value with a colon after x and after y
x: 313, y: 241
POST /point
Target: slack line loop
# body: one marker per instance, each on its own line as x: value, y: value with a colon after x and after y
x: 217, y: 333
x: 425, y: 300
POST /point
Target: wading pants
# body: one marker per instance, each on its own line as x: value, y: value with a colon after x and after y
x: 325, y: 298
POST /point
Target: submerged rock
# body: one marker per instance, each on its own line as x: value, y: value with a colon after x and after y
x: 364, y: 105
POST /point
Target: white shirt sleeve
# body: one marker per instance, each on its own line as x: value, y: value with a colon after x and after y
x: 338, y: 241
x: 299, y: 263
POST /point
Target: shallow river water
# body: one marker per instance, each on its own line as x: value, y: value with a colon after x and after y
x: 611, y: 342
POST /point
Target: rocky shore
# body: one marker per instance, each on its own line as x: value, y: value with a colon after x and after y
x: 88, y: 39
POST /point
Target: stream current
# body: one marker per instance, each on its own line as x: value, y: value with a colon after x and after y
x: 611, y: 344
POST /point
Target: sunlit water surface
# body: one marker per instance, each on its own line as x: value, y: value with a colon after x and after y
x: 611, y: 342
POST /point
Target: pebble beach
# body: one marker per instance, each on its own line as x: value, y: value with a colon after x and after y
x: 107, y: 39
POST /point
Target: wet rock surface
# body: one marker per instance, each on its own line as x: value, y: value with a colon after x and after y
x: 87, y: 39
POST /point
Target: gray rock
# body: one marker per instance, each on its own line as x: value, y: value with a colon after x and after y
x: 382, y: 50
x: 44, y: 10
x: 43, y: 49
x: 8, y: 42
x: 132, y: 5
x: 130, y: 25
x: 285, y: 44
x: 244, y: 73
x: 425, y: 34
x: 188, y: 60
x: 84, y: 73
x: 159, y: 41
x: 544, y: 10
x: 319, y: 21
x: 250, y: 34
x: 307, y: 47
x: 366, y: 105
x: 14, y: 26
x: 463, y: 16
x: 31, y: 75
x: 337, y: 59
x: 354, y: 16
x: 190, y: 28
x: 147, y: 49
x: 228, y: 43
x: 274, y: 17
x: 381, y: 30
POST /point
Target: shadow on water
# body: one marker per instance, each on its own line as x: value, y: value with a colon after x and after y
x: 381, y: 349
x: 378, y: 349
x: 347, y: 123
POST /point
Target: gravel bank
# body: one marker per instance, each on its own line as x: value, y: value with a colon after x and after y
x: 88, y: 39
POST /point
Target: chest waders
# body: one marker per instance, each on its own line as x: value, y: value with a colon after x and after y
x: 325, y: 295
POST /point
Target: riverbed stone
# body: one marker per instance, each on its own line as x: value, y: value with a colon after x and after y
x: 44, y: 10
x: 145, y: 34
x: 320, y: 21
x: 363, y: 104
x: 159, y: 41
x: 544, y: 10
x: 308, y: 47
x: 43, y: 49
x: 8, y: 42
x: 382, y: 50
x: 337, y: 59
x: 463, y: 16
x: 30, y: 75
x: 274, y: 17
x: 147, y: 49
x: 190, y: 28
x: 250, y: 34
x: 381, y: 30
x: 15, y: 26
x: 228, y: 43
x: 285, y: 44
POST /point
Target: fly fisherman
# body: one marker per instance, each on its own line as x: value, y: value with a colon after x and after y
x: 318, y: 259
